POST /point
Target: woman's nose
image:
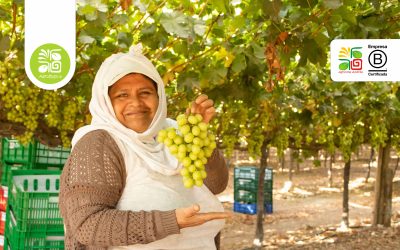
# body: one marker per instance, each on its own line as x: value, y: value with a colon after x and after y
x: 134, y: 100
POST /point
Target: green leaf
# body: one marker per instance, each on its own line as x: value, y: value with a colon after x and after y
x: 199, y: 27
x: 344, y: 66
x: 239, y: 63
x: 4, y: 43
x: 85, y: 39
x: 219, y: 5
x: 332, y: 4
x: 346, y: 15
x: 125, y: 39
x: 258, y: 51
x: 120, y: 19
x: 142, y: 7
x: 357, y: 54
x: 176, y: 23
x: 307, y: 3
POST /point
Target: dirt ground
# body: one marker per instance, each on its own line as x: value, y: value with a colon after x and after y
x: 309, y: 215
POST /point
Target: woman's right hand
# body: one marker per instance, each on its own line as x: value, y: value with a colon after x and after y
x: 190, y: 216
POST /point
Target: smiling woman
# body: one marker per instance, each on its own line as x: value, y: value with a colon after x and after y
x: 120, y: 188
x: 135, y: 101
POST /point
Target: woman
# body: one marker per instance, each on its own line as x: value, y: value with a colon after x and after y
x: 120, y: 188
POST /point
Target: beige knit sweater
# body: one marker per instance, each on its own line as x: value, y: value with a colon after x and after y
x: 91, y: 185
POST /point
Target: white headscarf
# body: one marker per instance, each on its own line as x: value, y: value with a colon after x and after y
x: 137, y: 145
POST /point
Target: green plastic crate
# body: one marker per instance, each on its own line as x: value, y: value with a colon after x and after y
x: 250, y: 196
x: 17, y: 239
x: 51, y: 157
x: 246, y: 178
x: 251, y: 172
x: 6, y: 171
x: 33, y: 200
x: 251, y: 185
x: 15, y: 152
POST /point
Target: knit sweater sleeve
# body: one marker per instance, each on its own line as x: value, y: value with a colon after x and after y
x: 217, y: 173
x: 91, y: 185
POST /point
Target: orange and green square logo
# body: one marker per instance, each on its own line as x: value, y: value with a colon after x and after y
x: 351, y: 58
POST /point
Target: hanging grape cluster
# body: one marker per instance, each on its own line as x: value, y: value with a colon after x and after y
x: 192, y: 145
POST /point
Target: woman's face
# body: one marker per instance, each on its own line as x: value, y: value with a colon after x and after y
x: 135, y: 101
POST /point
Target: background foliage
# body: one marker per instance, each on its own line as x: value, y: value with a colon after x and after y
x: 265, y: 63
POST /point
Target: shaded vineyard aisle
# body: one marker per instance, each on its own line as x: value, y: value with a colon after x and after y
x: 310, y: 212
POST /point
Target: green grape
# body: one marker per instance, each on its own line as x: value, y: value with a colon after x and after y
x: 195, y: 149
x: 185, y: 129
x: 185, y: 172
x: 188, y: 183
x: 173, y: 149
x: 186, y: 162
x: 193, y: 156
x: 171, y: 134
x: 203, y: 126
x: 162, y: 133
x: 191, y: 144
x: 196, y: 130
x: 192, y: 119
x: 199, y: 118
x: 198, y: 163
x: 178, y: 140
x: 203, y: 174
x: 188, y: 138
x: 192, y: 168
x: 203, y: 135
x: 182, y: 148
x: 197, y: 175
x: 198, y: 183
x: 168, y: 141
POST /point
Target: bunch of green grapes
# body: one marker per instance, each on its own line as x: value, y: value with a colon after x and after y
x: 192, y: 145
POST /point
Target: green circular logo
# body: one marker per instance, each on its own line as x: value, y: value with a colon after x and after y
x: 50, y: 63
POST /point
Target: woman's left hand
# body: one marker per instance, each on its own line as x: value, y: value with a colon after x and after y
x: 203, y: 106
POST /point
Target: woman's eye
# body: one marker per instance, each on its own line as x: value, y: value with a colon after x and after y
x: 122, y: 95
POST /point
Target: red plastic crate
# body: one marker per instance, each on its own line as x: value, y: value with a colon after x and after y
x: 2, y: 221
x: 3, y: 198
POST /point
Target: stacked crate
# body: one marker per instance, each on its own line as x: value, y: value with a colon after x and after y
x: 32, y: 220
x: 33, y: 217
x: 14, y: 156
x: 246, y: 187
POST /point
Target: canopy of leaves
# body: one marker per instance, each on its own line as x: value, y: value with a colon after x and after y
x: 264, y: 63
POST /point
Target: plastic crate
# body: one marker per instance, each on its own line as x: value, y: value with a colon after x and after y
x: 33, y: 200
x: 6, y: 171
x: 17, y: 239
x: 51, y: 157
x: 250, y: 208
x: 250, y: 196
x: 251, y: 172
x: 251, y: 185
x: 15, y: 152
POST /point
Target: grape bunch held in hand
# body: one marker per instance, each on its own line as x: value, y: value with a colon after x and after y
x: 192, y: 145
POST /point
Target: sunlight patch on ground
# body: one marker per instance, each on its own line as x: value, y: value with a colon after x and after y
x: 286, y: 187
x: 330, y: 190
x: 352, y: 204
x: 356, y: 183
x: 302, y: 192
x: 396, y: 199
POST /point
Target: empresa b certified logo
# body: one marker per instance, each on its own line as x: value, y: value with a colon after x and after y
x: 365, y: 60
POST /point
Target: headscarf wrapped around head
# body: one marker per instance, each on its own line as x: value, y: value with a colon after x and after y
x: 141, y: 145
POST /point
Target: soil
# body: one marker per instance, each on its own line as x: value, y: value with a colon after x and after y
x: 308, y: 216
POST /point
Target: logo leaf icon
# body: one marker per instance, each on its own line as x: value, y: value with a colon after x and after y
x: 357, y: 54
x: 344, y: 66
x: 43, y: 68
